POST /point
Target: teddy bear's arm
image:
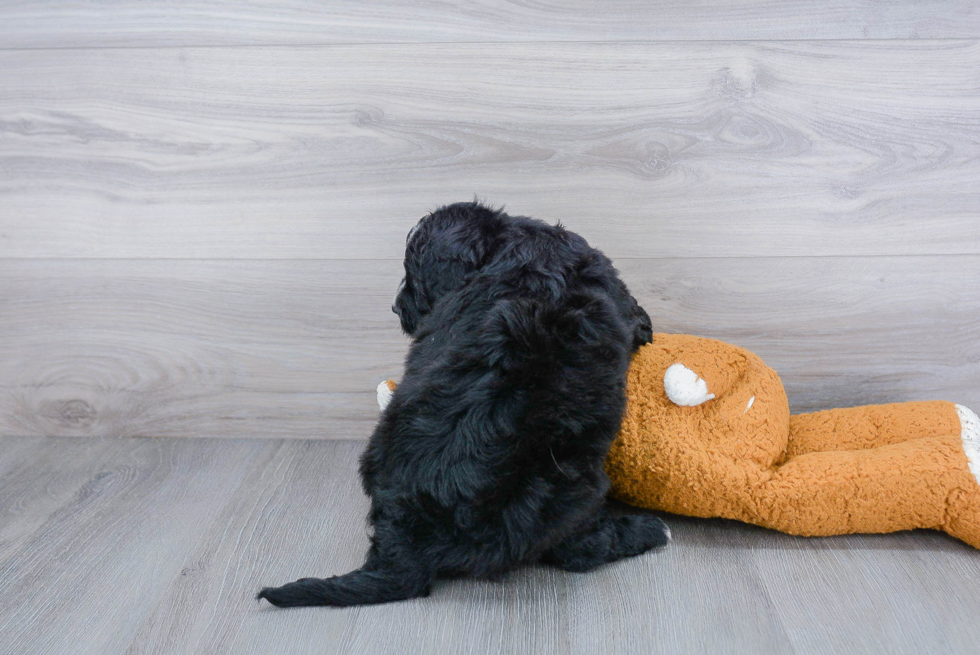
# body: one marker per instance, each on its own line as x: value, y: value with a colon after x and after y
x: 385, y: 391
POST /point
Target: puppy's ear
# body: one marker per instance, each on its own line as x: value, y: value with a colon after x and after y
x: 642, y: 325
x: 466, y: 232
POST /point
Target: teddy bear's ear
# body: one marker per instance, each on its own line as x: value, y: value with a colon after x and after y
x: 684, y: 387
x: 714, y: 364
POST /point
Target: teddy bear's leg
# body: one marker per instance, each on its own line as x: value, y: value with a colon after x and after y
x: 607, y: 539
x: 870, y: 426
x: 921, y: 483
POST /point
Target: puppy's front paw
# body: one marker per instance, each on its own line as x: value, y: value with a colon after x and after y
x: 684, y: 387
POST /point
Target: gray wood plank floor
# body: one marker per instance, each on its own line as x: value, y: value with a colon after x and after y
x: 157, y: 546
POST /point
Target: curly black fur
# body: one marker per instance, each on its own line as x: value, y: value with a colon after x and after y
x: 490, y: 455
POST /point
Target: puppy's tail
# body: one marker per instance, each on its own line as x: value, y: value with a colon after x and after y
x: 360, y: 587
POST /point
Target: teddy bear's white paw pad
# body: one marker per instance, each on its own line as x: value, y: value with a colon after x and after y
x: 684, y: 387
x: 384, y: 395
x: 970, y: 435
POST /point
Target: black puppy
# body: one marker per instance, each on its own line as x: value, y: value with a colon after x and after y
x: 490, y: 454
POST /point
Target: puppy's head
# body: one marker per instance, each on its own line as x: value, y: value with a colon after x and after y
x: 442, y: 253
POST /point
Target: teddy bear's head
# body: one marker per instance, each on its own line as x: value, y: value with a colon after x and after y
x: 701, y: 403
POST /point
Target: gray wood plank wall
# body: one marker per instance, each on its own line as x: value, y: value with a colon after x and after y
x: 202, y: 205
x: 62, y: 23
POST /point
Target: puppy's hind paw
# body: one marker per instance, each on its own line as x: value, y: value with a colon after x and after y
x: 642, y: 532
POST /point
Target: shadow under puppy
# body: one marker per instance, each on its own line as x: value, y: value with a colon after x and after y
x: 490, y: 454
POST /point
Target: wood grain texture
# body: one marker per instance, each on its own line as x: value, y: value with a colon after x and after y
x: 40, y: 480
x: 182, y: 531
x: 924, y: 574
x: 296, y: 348
x: 96, y: 567
x: 301, y: 512
x: 667, y: 149
x: 151, y: 348
x: 157, y: 23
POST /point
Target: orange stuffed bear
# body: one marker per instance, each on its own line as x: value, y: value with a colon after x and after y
x: 707, y: 432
